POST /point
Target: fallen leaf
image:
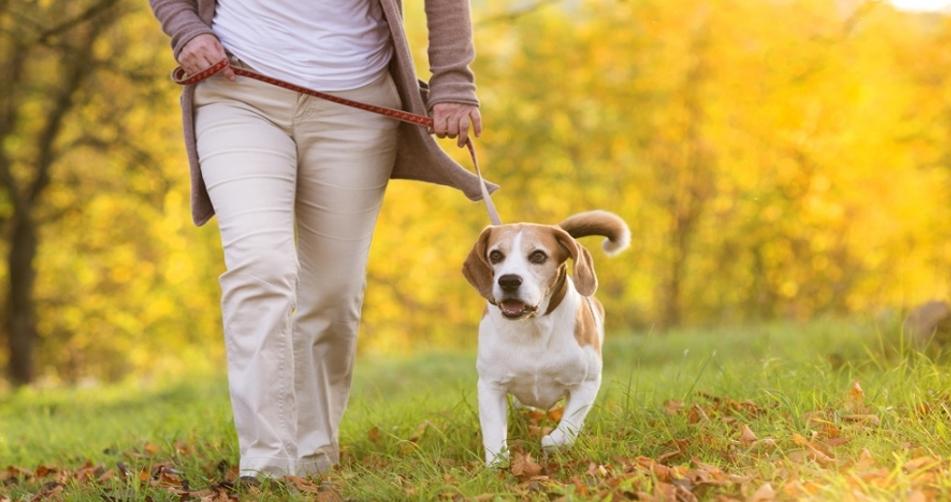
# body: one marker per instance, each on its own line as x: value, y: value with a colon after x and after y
x: 856, y: 393
x: 746, y: 435
x: 524, y: 466
x: 420, y: 431
x: 303, y: 484
x: 764, y: 493
x: 917, y: 496
x: 863, y: 419
x: 673, y: 406
x: 183, y: 448
x: 42, y: 471
x: 374, y: 434
x: 696, y: 414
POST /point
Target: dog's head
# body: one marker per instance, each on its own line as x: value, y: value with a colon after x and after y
x: 517, y: 266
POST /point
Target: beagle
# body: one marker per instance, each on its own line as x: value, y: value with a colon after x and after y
x: 541, y: 333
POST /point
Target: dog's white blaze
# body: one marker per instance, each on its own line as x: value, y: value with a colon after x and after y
x: 516, y: 262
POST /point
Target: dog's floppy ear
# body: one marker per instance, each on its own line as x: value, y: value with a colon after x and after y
x: 586, y: 281
x: 477, y: 269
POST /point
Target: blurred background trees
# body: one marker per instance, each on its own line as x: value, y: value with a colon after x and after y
x: 773, y: 159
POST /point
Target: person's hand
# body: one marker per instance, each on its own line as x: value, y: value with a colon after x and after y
x: 201, y: 52
x: 453, y: 119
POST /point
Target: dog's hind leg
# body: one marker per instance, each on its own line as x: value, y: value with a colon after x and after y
x: 493, y: 417
x: 580, y: 401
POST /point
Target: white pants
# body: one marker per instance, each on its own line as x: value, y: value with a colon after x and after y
x: 273, y: 161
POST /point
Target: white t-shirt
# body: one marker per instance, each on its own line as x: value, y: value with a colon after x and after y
x: 327, y: 45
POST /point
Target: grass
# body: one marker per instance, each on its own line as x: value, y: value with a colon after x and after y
x: 669, y: 421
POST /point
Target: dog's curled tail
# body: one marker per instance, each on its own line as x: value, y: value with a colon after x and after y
x: 599, y: 222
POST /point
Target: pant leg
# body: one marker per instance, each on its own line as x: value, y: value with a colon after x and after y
x: 249, y: 164
x: 346, y: 156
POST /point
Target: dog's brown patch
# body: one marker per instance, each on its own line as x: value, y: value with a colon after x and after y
x: 586, y: 330
x: 559, y: 289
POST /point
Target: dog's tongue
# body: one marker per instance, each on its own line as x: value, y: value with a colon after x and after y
x: 512, y: 307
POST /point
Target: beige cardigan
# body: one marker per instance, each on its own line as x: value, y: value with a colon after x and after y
x: 419, y: 156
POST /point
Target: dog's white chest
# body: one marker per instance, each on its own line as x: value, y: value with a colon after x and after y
x: 537, y: 363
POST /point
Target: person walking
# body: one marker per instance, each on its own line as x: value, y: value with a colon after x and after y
x: 297, y: 184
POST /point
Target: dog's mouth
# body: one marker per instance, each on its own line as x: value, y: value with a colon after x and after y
x: 515, y: 309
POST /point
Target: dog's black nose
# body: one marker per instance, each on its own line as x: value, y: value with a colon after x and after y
x: 510, y: 282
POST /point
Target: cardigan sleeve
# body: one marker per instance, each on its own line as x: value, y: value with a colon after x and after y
x: 451, y: 52
x: 179, y: 19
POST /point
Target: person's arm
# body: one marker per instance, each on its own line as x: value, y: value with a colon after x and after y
x: 194, y: 44
x: 452, y: 90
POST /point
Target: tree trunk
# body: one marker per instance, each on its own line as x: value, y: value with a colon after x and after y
x: 21, y: 326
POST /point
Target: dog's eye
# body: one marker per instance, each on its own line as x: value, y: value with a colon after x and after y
x: 496, y: 256
x: 537, y: 257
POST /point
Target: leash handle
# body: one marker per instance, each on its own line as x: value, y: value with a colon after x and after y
x: 180, y: 77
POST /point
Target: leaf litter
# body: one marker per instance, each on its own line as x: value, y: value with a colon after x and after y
x: 805, y: 464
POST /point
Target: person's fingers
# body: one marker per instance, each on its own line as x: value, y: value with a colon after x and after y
x: 206, y: 60
x: 228, y: 72
x: 463, y: 130
x: 219, y: 53
x: 441, y: 122
x: 476, y: 122
x: 453, y: 125
x: 218, y: 50
x: 190, y: 64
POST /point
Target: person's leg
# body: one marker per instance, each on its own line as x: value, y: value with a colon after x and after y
x: 249, y: 164
x: 346, y: 156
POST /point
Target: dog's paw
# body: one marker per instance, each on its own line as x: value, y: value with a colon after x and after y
x: 498, y: 461
x: 558, y: 438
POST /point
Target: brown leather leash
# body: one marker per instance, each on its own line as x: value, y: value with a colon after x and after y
x: 182, y: 78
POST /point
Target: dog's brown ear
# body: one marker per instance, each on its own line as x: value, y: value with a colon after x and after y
x: 477, y: 269
x: 584, y: 277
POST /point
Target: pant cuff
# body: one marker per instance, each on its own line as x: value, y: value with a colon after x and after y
x: 319, y: 462
x: 274, y: 467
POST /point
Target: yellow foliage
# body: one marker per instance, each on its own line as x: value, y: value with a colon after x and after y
x: 772, y: 159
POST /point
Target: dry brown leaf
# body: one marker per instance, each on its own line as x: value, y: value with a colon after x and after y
x: 524, y: 466
x: 42, y: 471
x: 303, y: 484
x: 329, y: 496
x: 766, y: 443
x: 664, y: 457
x: 926, y: 462
x: 764, y: 493
x: 150, y: 448
x: 865, y: 419
x: 856, y: 393
x: 917, y: 496
x: 746, y: 435
x: 580, y: 487
x: 420, y: 431
x: 535, y: 415
x: 106, y: 476
x: 556, y: 413
x: 538, y: 431
x: 673, y: 406
x: 374, y: 434
x: 696, y: 414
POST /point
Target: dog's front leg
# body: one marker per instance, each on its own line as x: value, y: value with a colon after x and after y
x: 579, y: 404
x: 493, y: 417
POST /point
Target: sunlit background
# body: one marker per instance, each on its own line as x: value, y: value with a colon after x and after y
x: 776, y: 160
x: 922, y: 5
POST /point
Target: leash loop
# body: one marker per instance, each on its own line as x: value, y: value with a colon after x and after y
x: 180, y: 77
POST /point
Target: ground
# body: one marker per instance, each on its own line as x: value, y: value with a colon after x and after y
x: 829, y: 410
